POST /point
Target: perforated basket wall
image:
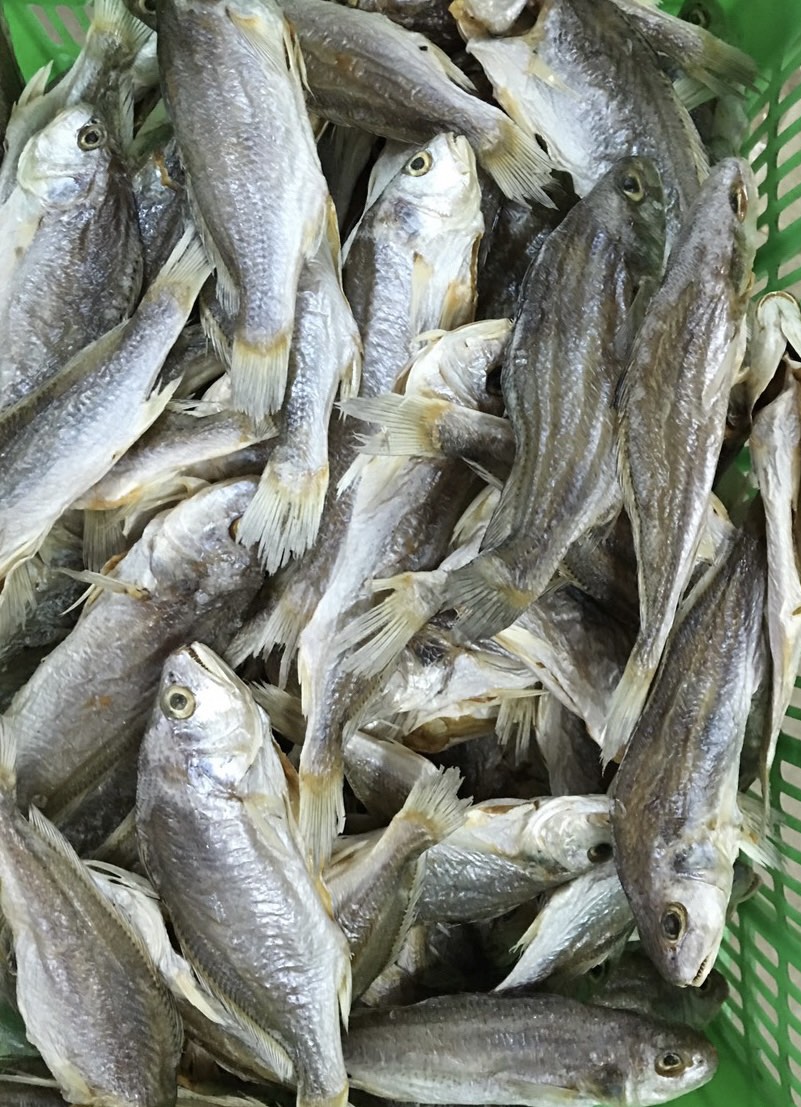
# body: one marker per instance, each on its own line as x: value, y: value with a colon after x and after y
x: 759, y: 1032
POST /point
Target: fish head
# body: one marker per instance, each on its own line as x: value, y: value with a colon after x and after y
x: 455, y: 365
x: 723, y: 221
x: 209, y: 716
x: 439, y: 181
x: 574, y: 831
x: 64, y: 160
x: 668, y: 1061
x: 631, y: 199
x: 681, y: 915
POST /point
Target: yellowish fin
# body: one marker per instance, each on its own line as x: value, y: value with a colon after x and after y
x: 259, y: 373
x: 284, y: 515
x: 520, y: 167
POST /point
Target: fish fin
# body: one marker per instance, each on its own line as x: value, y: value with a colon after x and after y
x: 283, y: 709
x: 515, y: 724
x: 385, y: 629
x: 697, y: 148
x: 350, y: 376
x: 409, y: 424
x: 18, y: 596
x: 443, y: 63
x: 518, y: 165
x: 284, y: 515
x: 345, y: 991
x: 434, y: 804
x: 352, y: 475
x: 275, y: 50
x: 36, y: 86
x: 484, y: 596
x: 625, y: 708
x: 259, y: 373
x: 225, y: 288
x: 322, y: 813
x: 8, y: 758
x: 215, y: 333
x: 103, y: 537
x: 757, y: 831
x: 104, y: 583
x: 112, y: 20
x: 692, y: 92
x: 183, y: 273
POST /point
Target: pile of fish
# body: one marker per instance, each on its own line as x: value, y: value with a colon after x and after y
x: 393, y: 647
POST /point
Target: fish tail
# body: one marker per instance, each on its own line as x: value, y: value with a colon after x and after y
x: 103, y: 536
x: 339, y: 1099
x: 515, y: 725
x: 18, y: 597
x: 520, y: 167
x: 350, y: 376
x: 625, y: 708
x: 384, y: 630
x: 281, y: 625
x: 434, y: 804
x: 184, y: 272
x: 485, y: 598
x: 259, y: 373
x: 284, y: 515
x: 409, y: 424
x: 215, y: 332
x: 322, y: 812
x: 111, y: 19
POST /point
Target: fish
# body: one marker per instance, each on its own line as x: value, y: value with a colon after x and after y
x: 257, y: 236
x: 374, y: 894
x: 433, y: 94
x: 614, y: 241
x: 212, y: 812
x: 689, y: 348
x: 69, y: 945
x: 430, y: 19
x: 677, y: 832
x: 70, y: 248
x: 570, y: 755
x: 159, y: 187
x: 509, y: 851
x: 584, y: 61
x: 632, y: 983
x: 86, y: 415
x: 528, y: 1050
x: 477, y: 18
x: 80, y: 717
x: 581, y: 924
x: 100, y: 76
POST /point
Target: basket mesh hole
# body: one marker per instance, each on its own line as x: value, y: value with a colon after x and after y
x: 766, y: 949
x: 767, y: 1008
x: 767, y: 1036
x: 790, y: 805
x: 795, y: 1039
x: 788, y: 97
x: 789, y: 213
x: 791, y: 146
x: 791, y: 836
x: 767, y: 979
x: 774, y: 1072
x: 48, y: 28
x: 796, y: 1094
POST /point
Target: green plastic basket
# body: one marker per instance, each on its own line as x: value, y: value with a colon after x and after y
x: 759, y: 1032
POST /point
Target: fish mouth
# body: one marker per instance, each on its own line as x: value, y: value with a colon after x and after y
x: 703, y: 972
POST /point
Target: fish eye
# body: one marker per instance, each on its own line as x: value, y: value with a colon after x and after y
x: 631, y: 186
x: 698, y: 15
x: 669, y: 1063
x: 674, y: 922
x: 419, y: 164
x: 149, y: 6
x: 597, y: 972
x: 92, y: 135
x: 601, y: 851
x: 233, y: 530
x: 178, y: 702
x: 738, y: 201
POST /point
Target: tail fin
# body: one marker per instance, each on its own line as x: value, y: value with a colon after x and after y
x: 518, y: 164
x: 486, y: 600
x: 385, y: 630
x: 112, y: 23
x: 322, y: 812
x: 259, y: 373
x: 625, y: 709
x: 434, y: 803
x: 284, y: 515
x: 409, y: 424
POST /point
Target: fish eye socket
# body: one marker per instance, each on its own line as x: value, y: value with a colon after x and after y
x: 698, y: 15
x: 674, y: 922
x: 92, y: 136
x: 669, y: 1063
x: 631, y: 186
x: 601, y: 851
x: 738, y: 201
x: 149, y: 6
x: 597, y: 972
x: 178, y: 702
x: 419, y: 164
x: 233, y: 530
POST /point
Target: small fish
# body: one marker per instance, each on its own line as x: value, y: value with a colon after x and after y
x: 70, y: 944
x: 91, y: 411
x: 159, y: 186
x: 570, y: 755
x: 374, y: 894
x: 678, y: 831
x: 585, y: 61
x: 364, y: 70
x: 529, y: 1050
x: 70, y: 249
x: 508, y: 851
x: 257, y: 236
x: 688, y: 348
x: 580, y: 925
x: 219, y: 841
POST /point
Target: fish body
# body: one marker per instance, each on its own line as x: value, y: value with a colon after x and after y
x: 672, y: 406
x: 70, y: 248
x: 218, y: 839
x: 678, y: 832
x: 535, y: 1050
x: 261, y: 214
